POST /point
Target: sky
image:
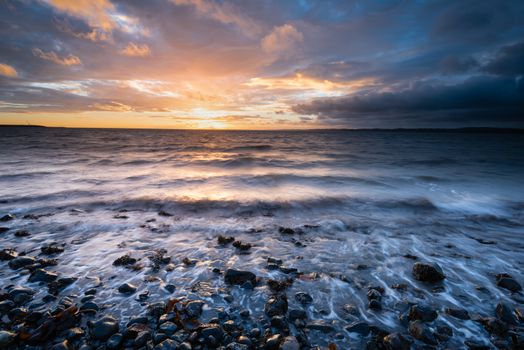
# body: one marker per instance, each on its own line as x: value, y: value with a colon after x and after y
x: 262, y: 64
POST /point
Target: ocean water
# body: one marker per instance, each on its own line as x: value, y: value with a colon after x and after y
x: 358, y: 200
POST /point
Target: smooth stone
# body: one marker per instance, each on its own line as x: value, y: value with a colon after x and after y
x: 476, y: 345
x: 296, y: 314
x: 21, y: 261
x: 290, y: 343
x: 422, y: 332
x: 127, y: 288
x: 374, y: 304
x: 223, y: 240
x: 505, y: 313
x: 458, y: 313
x: 8, y: 254
x: 276, y: 305
x: 6, y: 338
x: 167, y: 344
x: 194, y: 308
x: 396, y: 341
x: 239, y: 277
x: 244, y: 313
x: 361, y: 328
x: 104, y: 328
x: 170, y: 288
x: 272, y: 342
x: 427, y: 272
x: 422, y: 312
x: 41, y: 275
x: 20, y: 294
x: 321, y: 326
x: 64, y: 345
x: 142, y: 338
x: 168, y: 328
x: 3, y: 229
x: 211, y: 330
x: 7, y: 217
x: 507, y: 282
x: 114, y: 341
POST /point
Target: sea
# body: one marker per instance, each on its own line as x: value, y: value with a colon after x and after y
x: 361, y: 206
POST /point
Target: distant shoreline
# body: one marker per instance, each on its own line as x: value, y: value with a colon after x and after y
x: 465, y: 130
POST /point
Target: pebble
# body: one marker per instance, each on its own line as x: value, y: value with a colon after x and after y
x: 239, y: 277
x: 7, y: 217
x: 290, y: 343
x: 458, y: 313
x: 8, y: 254
x: 428, y: 272
x: 303, y: 298
x: 127, y: 288
x: 21, y: 261
x: 396, y: 341
x: 114, y: 341
x: 321, y: 326
x: 104, y: 328
x: 194, y: 308
x: 422, y: 312
x: 422, y: 332
x: 6, y: 338
x: 508, y: 282
x: 276, y: 305
x: 361, y: 328
x: 41, y: 275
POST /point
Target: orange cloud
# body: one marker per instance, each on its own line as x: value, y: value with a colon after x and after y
x: 136, y: 50
x: 70, y: 60
x: 7, y: 70
x: 283, y: 40
x: 96, y: 12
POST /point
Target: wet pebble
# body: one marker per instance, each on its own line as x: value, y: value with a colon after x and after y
x: 427, y: 272
x: 239, y: 277
x: 303, y: 298
x: 104, y: 328
x: 508, y: 282
x: 127, y: 288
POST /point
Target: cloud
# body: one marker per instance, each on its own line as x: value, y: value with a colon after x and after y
x: 96, y: 12
x: 136, y: 50
x: 473, y: 100
x: 283, y: 40
x: 69, y: 60
x: 8, y: 71
x: 508, y: 61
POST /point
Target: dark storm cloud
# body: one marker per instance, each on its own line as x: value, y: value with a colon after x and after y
x: 509, y: 61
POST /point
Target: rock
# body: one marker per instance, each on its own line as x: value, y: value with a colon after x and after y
x: 374, y: 305
x: 64, y: 345
x: 22, y: 233
x: 242, y: 246
x: 458, y: 313
x: 124, y: 260
x: 272, y: 342
x: 6, y: 339
x: 167, y: 344
x: 127, y: 288
x: 20, y: 295
x: 194, y: 308
x: 211, y: 330
x: 505, y: 313
x: 276, y: 305
x: 21, y: 261
x: 322, y: 326
x: 278, y: 322
x: 422, y: 312
x: 3, y: 229
x: 275, y: 261
x: 52, y: 248
x: 239, y: 277
x: 7, y: 217
x: 396, y: 341
x: 142, y: 338
x: 41, y: 275
x: 422, y: 332
x: 223, y: 240
x: 361, y: 328
x: 170, y: 288
x: 428, y: 272
x: 104, y: 328
x: 303, y: 298
x: 58, y: 285
x: 443, y: 332
x: 168, y: 328
x: 244, y: 313
x: 286, y: 230
x: 6, y: 306
x: 184, y: 346
x: 229, y: 326
x: 494, y: 326
x: 189, y: 262
x: 8, y: 254
x: 290, y: 343
x: 114, y: 341
x: 520, y: 314
x: 279, y: 286
x: 374, y: 294
x: 75, y: 333
x: 476, y: 345
x: 89, y: 305
x: 507, y: 282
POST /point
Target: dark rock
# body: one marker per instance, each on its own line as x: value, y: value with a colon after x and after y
x: 396, y: 341
x: 476, y: 345
x: 75, y: 333
x: 242, y: 246
x: 21, y: 261
x: 127, y: 288
x: 22, y: 233
x: 494, y: 326
x: 170, y: 288
x: 223, y: 240
x: 7, y: 217
x: 319, y: 325
x: 428, y: 272
x: 520, y: 314
x: 288, y: 270
x: 6, y: 339
x: 296, y: 314
x: 58, y: 285
x: 3, y: 229
x: 124, y: 260
x: 189, y: 262
x: 422, y: 312
x: 47, y: 262
x: 458, y: 313
x: 8, y: 254
x: 229, y: 326
x: 211, y: 330
x: 168, y: 328
x: 239, y: 277
x: 290, y: 343
x: 275, y: 261
x: 507, y: 282
x: 276, y: 305
x: 52, y: 248
x: 273, y: 342
x: 20, y: 295
x: 245, y: 313
x: 505, y: 313
x: 114, y: 341
x: 104, y: 328
x: 41, y: 275
x: 64, y: 345
x: 184, y: 346
x: 279, y: 286
x: 303, y: 298
x: 443, y: 332
x: 6, y: 306
x: 374, y: 294
x: 167, y: 344
x: 142, y: 338
x: 361, y: 328
x: 194, y: 308
x: 422, y: 332
x: 164, y: 213
x: 278, y: 322
x: 286, y: 230
x: 89, y: 305
x: 374, y: 305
